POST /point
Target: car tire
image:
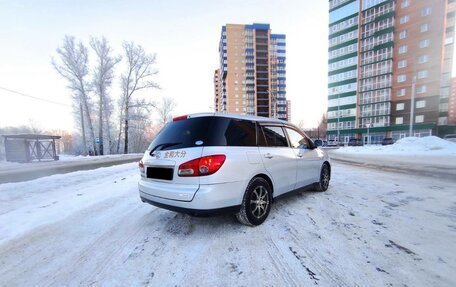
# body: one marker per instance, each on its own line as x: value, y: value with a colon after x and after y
x: 325, y: 176
x: 256, y: 203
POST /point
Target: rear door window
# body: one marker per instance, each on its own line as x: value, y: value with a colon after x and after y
x: 275, y: 136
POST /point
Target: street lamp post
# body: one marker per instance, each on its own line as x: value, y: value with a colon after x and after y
x: 338, y: 117
x: 412, y: 106
x: 368, y: 137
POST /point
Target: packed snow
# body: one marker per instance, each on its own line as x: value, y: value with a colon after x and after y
x: 64, y: 160
x: 89, y: 228
x: 414, y: 146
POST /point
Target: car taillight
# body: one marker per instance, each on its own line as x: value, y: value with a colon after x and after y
x: 202, y: 166
x: 141, y: 165
x: 180, y: 118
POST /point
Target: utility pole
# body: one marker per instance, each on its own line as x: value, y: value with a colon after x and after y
x: 338, y: 117
x: 412, y: 106
x: 368, y: 136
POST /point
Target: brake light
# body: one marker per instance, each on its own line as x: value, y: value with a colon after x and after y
x: 180, y: 118
x: 141, y: 165
x: 202, y: 166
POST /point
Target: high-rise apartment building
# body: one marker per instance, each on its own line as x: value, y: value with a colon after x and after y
x: 217, y: 89
x: 252, y: 77
x: 384, y: 57
x: 452, y: 103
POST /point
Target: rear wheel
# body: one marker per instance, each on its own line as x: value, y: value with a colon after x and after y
x: 256, y: 203
x: 323, y: 184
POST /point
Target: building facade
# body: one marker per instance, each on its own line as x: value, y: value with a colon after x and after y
x: 252, y: 73
x: 217, y: 89
x: 385, y: 57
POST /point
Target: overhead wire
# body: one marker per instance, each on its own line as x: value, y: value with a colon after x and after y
x: 33, y: 97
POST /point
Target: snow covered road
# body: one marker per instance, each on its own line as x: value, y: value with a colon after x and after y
x: 89, y: 228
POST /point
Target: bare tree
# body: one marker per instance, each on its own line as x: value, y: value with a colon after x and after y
x: 102, y: 79
x: 322, y: 125
x: 138, y: 76
x: 165, y: 108
x: 73, y: 66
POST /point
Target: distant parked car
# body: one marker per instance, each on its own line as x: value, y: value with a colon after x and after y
x: 355, y: 142
x: 387, y: 141
x: 320, y: 142
x: 451, y: 138
x: 332, y: 143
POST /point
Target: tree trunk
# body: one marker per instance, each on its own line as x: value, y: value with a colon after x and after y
x: 108, y: 128
x: 126, y: 129
x: 108, y: 132
x: 120, y: 130
x: 89, y: 122
x: 100, y: 122
x: 84, y: 141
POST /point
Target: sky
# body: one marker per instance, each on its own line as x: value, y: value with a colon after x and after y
x: 183, y: 34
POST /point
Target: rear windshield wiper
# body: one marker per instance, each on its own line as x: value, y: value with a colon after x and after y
x: 163, y: 145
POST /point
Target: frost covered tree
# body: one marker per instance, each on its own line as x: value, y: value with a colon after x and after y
x: 138, y: 76
x: 103, y: 74
x: 73, y: 65
x: 165, y: 109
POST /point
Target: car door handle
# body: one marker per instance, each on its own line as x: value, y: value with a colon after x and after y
x: 268, y: 155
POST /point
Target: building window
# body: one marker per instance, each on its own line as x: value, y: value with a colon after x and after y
x: 422, y: 74
x: 403, y: 49
x: 399, y: 120
x: 400, y: 107
x: 424, y: 43
x: 404, y: 19
x: 405, y: 3
x: 424, y: 27
x: 443, y: 121
x: 401, y: 78
x: 402, y: 64
x: 400, y: 92
x: 423, y: 59
x: 420, y: 104
x: 426, y: 11
x: 419, y: 119
x: 443, y: 107
x: 421, y: 89
x: 403, y: 34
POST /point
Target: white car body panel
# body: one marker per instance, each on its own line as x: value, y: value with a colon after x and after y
x: 281, y: 164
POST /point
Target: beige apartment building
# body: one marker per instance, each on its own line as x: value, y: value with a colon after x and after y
x: 252, y: 75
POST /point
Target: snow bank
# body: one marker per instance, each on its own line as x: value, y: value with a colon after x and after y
x: 430, y: 145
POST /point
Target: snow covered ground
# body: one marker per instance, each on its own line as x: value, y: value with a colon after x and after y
x: 89, y: 228
x: 421, y: 156
x: 410, y: 146
x: 16, y: 172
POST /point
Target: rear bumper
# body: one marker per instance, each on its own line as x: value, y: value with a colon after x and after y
x: 208, y: 199
x: 216, y: 211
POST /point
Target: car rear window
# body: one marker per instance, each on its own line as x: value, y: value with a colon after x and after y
x: 182, y: 134
x: 205, y: 131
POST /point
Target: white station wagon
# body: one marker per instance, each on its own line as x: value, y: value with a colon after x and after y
x: 211, y: 163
